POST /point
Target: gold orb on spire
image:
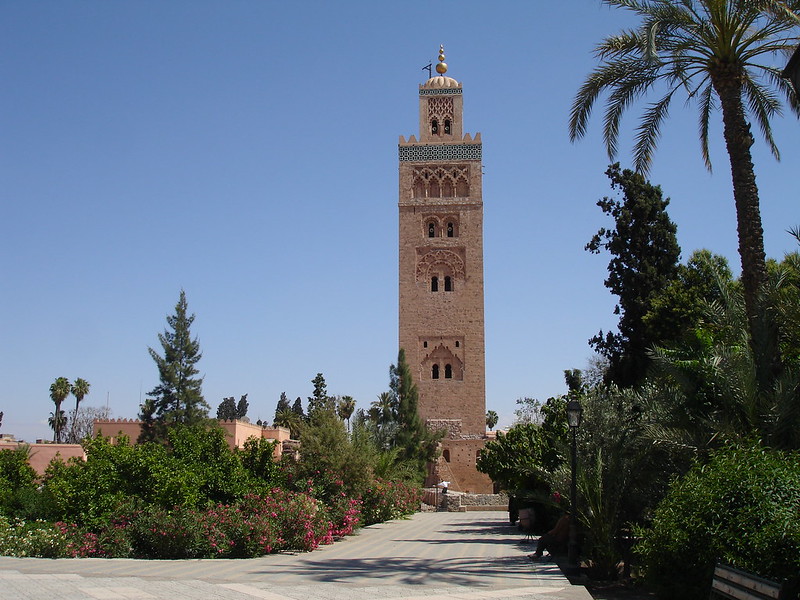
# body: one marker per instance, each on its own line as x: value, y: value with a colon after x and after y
x: 441, y: 68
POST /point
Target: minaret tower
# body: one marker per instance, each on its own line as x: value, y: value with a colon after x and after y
x: 441, y: 277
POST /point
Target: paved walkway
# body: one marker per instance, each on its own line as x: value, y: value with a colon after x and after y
x: 432, y: 556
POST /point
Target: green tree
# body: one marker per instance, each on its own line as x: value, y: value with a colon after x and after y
x: 17, y: 481
x: 241, y: 408
x: 415, y: 440
x: 645, y: 255
x: 327, y: 455
x: 319, y: 399
x: 178, y: 398
x: 679, y: 307
x: 491, y: 419
x: 230, y: 410
x: 226, y: 411
x: 716, y: 51
x: 515, y: 459
x: 297, y: 408
x: 59, y: 390
x: 282, y: 406
x: 706, y: 389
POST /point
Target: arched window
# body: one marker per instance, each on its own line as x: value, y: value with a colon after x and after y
x: 446, y: 455
x: 450, y: 230
x: 434, y: 284
x: 435, y: 127
x: 448, y: 371
x: 424, y: 344
x: 447, y: 126
x: 458, y: 343
x: 435, y: 372
x: 448, y: 284
x: 431, y: 229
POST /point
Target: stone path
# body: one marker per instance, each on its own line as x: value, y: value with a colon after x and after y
x: 432, y: 556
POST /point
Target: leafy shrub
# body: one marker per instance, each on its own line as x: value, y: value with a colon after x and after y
x: 17, y: 482
x: 385, y: 500
x: 743, y: 508
x: 199, y: 468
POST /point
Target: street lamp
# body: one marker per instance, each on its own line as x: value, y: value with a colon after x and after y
x: 574, y: 414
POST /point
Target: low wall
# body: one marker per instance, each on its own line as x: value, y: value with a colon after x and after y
x: 484, y: 500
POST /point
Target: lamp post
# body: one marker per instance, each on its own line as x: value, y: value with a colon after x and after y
x: 574, y: 414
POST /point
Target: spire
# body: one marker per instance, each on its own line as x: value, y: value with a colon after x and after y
x: 441, y: 68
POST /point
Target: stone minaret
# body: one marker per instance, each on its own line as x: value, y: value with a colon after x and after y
x: 441, y: 277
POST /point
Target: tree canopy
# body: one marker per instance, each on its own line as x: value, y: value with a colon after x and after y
x: 644, y: 260
x: 717, y: 53
x: 178, y: 398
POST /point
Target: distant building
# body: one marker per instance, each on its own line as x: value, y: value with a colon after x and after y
x: 441, y: 318
x: 238, y: 432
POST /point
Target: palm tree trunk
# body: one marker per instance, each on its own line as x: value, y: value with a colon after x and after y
x: 738, y: 140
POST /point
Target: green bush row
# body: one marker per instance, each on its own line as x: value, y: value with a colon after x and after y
x: 742, y: 507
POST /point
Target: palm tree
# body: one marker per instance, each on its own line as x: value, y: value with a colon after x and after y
x: 344, y: 408
x: 59, y: 390
x: 382, y: 412
x: 491, y: 419
x: 286, y: 417
x: 712, y: 50
x: 79, y: 389
x: 57, y: 423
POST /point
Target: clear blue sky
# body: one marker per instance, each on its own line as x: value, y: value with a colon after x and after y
x: 246, y: 152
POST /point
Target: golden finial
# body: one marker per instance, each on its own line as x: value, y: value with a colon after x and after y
x: 441, y: 68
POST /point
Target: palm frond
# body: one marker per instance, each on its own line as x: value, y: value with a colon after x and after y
x: 621, y: 97
x: 648, y: 132
x: 621, y: 45
x: 786, y: 90
x: 707, y: 104
x: 763, y: 104
x: 605, y: 76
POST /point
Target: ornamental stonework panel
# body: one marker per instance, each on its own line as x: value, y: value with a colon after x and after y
x: 429, y: 259
x: 447, y: 152
x: 440, y: 108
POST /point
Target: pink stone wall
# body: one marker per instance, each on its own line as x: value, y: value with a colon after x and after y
x: 237, y: 432
x: 41, y: 454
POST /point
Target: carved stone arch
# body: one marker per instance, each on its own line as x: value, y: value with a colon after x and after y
x: 442, y: 356
x: 448, y: 187
x: 445, y: 261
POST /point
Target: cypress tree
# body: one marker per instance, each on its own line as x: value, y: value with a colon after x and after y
x: 645, y: 253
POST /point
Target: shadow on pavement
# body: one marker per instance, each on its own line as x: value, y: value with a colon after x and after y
x: 416, y: 571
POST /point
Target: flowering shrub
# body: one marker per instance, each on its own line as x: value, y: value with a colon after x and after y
x: 386, y: 500
x: 189, y: 500
x: 31, y: 538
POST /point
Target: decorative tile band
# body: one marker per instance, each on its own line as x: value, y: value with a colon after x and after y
x: 440, y: 92
x: 440, y: 152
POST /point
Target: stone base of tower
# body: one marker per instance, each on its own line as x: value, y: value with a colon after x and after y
x: 456, y: 464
